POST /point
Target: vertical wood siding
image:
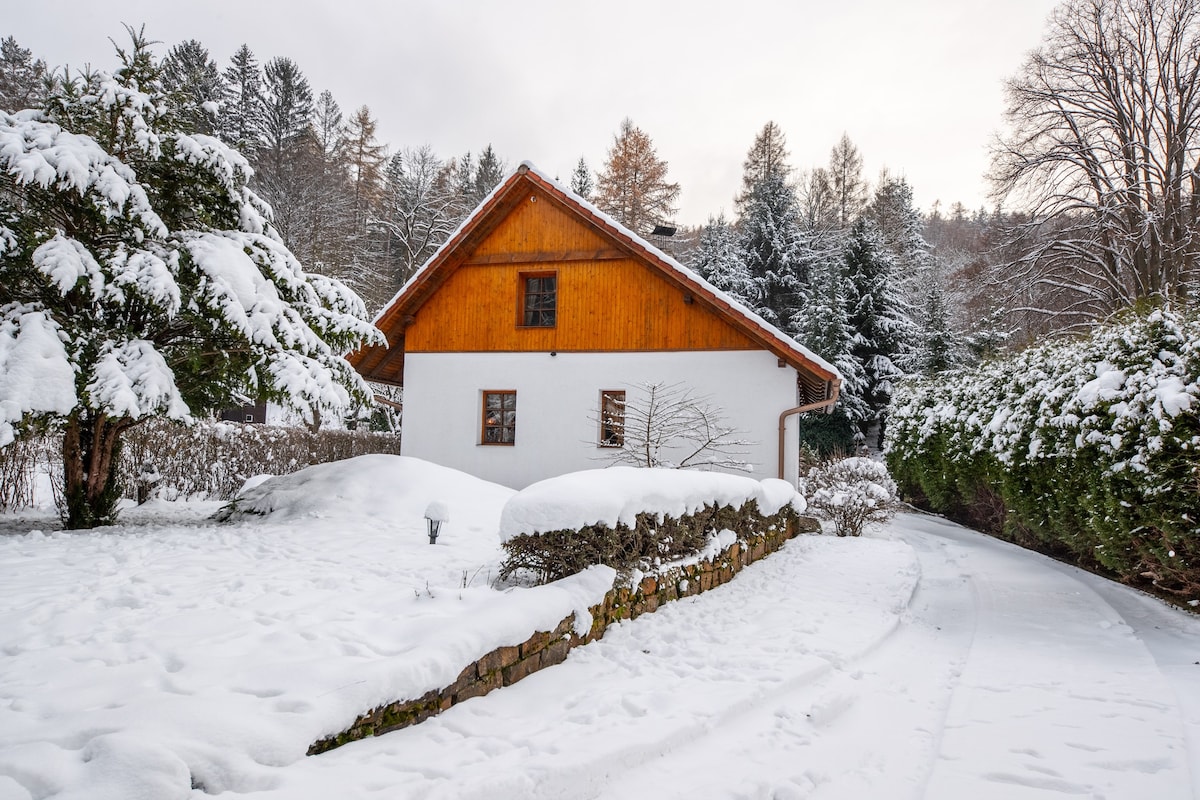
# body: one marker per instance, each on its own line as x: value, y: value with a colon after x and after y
x: 603, y: 303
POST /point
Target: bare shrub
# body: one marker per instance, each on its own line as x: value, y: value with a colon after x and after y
x: 666, y: 425
x: 21, y: 462
x: 208, y: 460
x: 213, y: 459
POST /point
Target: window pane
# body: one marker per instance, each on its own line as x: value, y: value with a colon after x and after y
x: 499, y: 418
x: 539, y: 301
x: 612, y: 419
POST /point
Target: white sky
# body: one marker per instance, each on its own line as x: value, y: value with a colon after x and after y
x: 916, y: 84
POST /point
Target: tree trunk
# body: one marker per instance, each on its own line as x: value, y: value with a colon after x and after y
x: 91, y: 445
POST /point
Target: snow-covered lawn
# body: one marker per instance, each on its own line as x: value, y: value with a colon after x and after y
x: 174, y: 652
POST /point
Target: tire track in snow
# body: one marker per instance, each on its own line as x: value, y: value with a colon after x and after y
x: 871, y: 727
x: 1057, y: 696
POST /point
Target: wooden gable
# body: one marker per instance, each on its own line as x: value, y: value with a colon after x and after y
x: 606, y: 300
x: 614, y: 293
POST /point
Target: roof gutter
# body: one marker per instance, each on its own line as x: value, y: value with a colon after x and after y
x: 827, y: 403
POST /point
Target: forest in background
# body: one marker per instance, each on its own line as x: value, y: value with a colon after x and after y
x: 1099, y: 156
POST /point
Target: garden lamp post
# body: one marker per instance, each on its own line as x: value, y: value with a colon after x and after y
x: 435, y: 515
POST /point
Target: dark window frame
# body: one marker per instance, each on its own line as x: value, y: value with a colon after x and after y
x: 537, y: 303
x: 495, y: 425
x: 612, y: 420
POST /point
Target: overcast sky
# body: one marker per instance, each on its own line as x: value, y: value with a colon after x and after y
x: 916, y: 84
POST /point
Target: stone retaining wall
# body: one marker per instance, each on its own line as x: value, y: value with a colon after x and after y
x: 505, y: 666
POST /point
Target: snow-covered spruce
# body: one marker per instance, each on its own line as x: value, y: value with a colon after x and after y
x: 140, y: 277
x: 850, y: 493
x: 1090, y: 445
x: 631, y: 518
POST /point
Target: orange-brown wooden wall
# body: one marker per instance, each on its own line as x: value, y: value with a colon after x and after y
x: 603, y: 304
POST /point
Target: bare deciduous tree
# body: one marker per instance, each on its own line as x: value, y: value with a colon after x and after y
x: 633, y: 187
x: 1103, y: 151
x: 665, y: 425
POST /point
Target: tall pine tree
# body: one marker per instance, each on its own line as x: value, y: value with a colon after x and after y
x: 769, y: 230
x: 240, y: 118
x: 194, y: 86
x: 22, y: 78
x: 879, y: 316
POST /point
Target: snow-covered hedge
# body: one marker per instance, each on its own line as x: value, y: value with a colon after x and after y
x: 1088, y: 447
x: 632, y: 518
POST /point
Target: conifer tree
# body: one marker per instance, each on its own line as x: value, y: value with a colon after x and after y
x: 288, y: 169
x: 240, y: 118
x: 194, y: 84
x: 365, y: 156
x: 633, y: 187
x: 463, y: 171
x: 22, y: 79
x: 140, y: 277
x: 823, y: 326
x: 718, y: 259
x: 769, y: 230
x: 878, y: 315
x: 768, y: 156
x: 287, y: 109
x: 365, y: 161
x: 329, y: 207
x: 487, y: 176
x: 940, y: 347
x: 581, y: 180
x: 902, y: 229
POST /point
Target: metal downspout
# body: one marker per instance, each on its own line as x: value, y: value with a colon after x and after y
x: 800, y: 410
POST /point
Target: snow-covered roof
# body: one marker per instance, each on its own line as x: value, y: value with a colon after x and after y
x: 426, y: 279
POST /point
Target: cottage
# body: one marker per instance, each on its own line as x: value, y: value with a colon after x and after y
x: 520, y: 342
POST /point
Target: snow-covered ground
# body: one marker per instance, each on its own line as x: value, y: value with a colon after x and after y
x: 924, y: 660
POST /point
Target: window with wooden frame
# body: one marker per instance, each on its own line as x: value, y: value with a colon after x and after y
x: 612, y: 418
x: 499, y: 418
x: 538, y: 293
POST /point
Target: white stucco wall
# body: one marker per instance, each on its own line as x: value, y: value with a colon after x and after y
x: 557, y: 400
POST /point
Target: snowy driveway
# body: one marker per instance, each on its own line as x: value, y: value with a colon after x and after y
x: 940, y: 664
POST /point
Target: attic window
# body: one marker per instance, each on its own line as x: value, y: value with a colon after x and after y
x: 538, y: 292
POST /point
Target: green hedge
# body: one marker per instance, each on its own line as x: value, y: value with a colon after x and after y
x: 1087, y: 448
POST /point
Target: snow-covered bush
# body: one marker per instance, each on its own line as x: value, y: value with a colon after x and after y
x: 1089, y: 448
x: 850, y: 493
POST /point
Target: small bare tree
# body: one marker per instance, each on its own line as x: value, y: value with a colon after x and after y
x: 666, y: 425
